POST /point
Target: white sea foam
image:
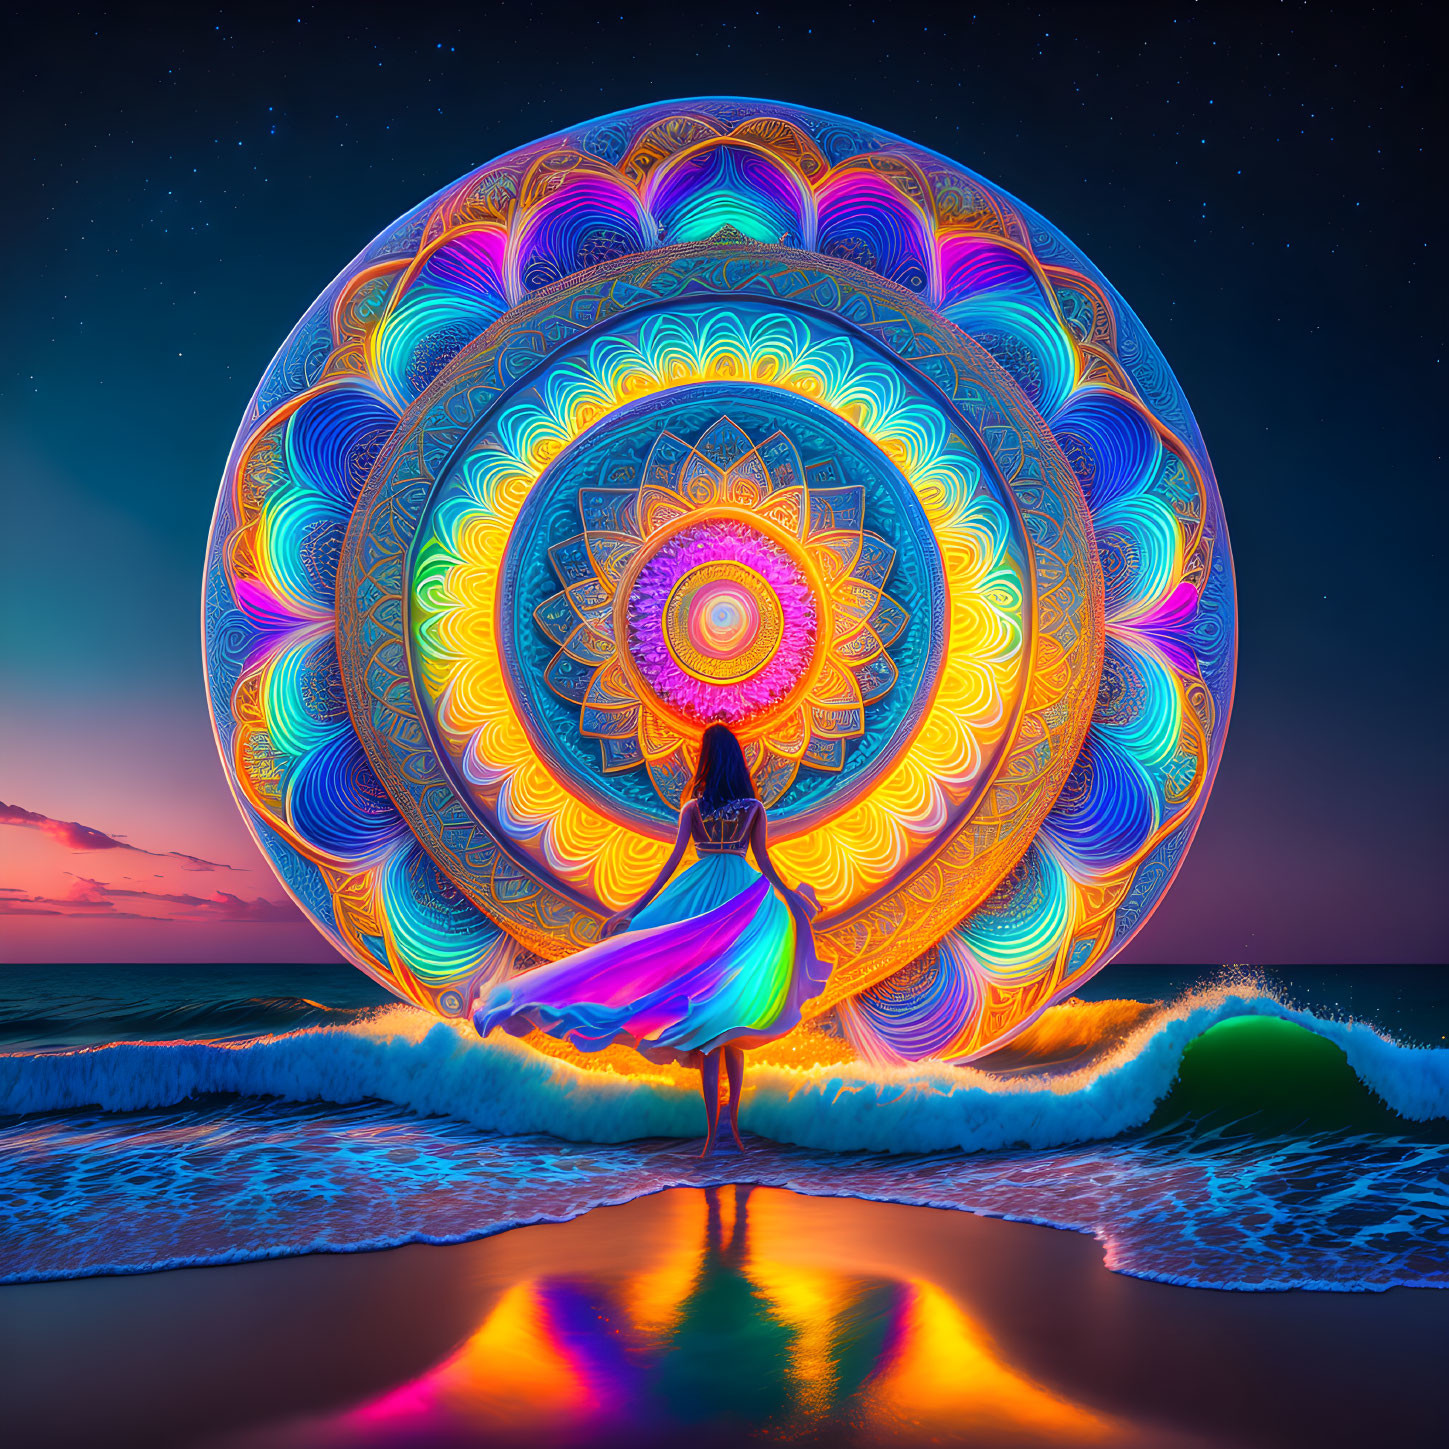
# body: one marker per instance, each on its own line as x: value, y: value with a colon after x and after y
x: 428, y: 1066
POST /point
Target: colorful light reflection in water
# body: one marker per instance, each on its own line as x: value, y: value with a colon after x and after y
x: 738, y: 1319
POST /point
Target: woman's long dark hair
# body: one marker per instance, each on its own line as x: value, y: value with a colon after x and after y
x: 722, y: 775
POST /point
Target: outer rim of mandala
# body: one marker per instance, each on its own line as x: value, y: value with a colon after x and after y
x: 902, y: 915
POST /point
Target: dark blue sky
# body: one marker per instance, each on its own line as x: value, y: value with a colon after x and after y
x: 1262, y: 183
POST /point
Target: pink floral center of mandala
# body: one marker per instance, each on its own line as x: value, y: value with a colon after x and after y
x: 721, y: 622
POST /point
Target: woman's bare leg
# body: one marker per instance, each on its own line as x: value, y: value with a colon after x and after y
x: 709, y: 1085
x: 735, y: 1070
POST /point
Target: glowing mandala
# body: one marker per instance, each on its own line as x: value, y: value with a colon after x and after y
x: 725, y: 410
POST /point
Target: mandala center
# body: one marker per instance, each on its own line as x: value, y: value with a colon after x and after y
x: 721, y: 622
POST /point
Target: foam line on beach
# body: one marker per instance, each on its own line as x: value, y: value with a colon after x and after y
x: 233, y: 1180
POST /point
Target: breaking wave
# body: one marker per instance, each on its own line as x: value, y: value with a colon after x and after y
x: 1246, y: 1052
x: 1227, y: 1140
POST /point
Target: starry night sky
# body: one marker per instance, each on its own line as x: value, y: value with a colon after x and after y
x: 1263, y: 184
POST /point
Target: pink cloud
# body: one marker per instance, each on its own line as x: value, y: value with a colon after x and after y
x: 233, y: 908
x: 87, y: 897
x: 75, y: 836
x: 24, y: 905
x: 221, y: 905
x: 68, y: 832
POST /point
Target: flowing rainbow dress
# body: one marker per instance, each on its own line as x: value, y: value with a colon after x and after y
x: 716, y: 959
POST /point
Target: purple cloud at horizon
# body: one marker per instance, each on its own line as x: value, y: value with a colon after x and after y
x: 94, y: 898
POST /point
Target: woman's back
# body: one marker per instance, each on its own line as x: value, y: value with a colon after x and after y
x: 725, y: 828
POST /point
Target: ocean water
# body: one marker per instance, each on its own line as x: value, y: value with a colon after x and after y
x: 1246, y: 1131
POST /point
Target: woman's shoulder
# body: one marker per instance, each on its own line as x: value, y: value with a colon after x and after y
x: 737, y: 806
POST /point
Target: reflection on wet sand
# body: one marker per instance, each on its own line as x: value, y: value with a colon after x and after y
x: 692, y: 1320
x: 737, y: 1318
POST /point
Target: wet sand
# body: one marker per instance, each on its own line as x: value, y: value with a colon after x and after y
x: 709, y: 1317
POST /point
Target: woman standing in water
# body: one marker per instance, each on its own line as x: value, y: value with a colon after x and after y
x: 695, y: 971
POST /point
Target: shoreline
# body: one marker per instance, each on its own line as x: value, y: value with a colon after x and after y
x: 249, y: 1258
x: 338, y: 1349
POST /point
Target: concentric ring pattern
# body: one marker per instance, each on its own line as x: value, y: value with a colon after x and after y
x: 725, y: 410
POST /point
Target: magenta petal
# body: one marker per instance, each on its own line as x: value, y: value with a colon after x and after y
x: 1167, y: 626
